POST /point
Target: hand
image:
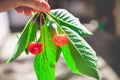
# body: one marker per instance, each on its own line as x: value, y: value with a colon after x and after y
x: 26, y: 6
x: 33, y: 6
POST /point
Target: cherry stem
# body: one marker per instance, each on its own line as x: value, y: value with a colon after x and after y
x: 36, y: 17
x: 56, y: 31
x: 55, y: 27
x: 43, y: 17
x: 40, y: 19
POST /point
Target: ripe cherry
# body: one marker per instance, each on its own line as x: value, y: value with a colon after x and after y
x: 60, y: 39
x: 35, y: 48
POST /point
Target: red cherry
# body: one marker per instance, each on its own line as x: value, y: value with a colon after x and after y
x: 35, y: 48
x: 60, y: 39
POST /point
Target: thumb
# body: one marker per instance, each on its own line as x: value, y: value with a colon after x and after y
x: 41, y: 5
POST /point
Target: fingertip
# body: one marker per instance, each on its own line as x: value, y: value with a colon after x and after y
x: 27, y: 11
x: 45, y: 7
x: 39, y: 5
x: 42, y: 6
x: 19, y: 9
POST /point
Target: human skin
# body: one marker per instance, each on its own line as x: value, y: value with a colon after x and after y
x: 26, y: 6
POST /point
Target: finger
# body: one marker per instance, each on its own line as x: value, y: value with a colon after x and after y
x: 19, y: 9
x: 38, y: 5
x: 34, y: 10
x: 44, y: 6
x: 27, y: 11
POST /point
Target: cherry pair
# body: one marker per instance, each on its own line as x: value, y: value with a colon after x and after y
x: 35, y: 48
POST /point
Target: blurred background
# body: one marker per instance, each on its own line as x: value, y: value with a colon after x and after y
x: 101, y: 17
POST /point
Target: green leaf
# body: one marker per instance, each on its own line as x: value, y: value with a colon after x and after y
x: 79, y: 56
x: 27, y: 35
x: 64, y: 18
x: 44, y: 63
x: 26, y: 51
x: 43, y: 69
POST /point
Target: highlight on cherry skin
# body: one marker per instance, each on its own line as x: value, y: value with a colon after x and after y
x: 35, y: 48
x: 60, y: 39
